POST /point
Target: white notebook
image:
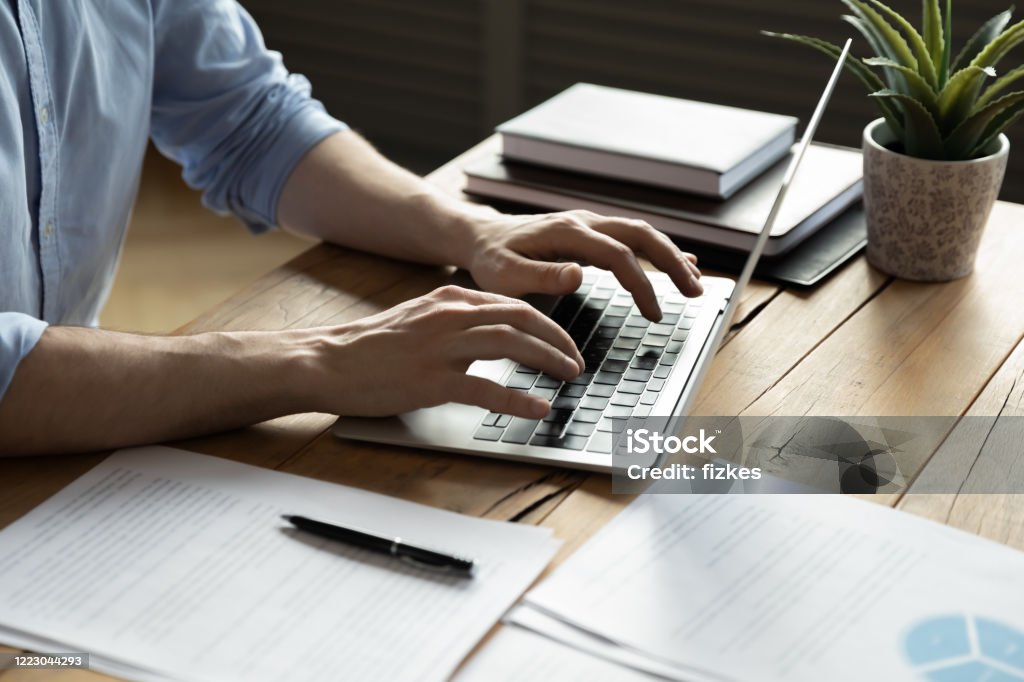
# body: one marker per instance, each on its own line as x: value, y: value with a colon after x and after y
x: 680, y: 144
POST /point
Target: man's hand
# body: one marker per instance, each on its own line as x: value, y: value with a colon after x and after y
x: 517, y: 255
x: 346, y: 193
x: 416, y: 355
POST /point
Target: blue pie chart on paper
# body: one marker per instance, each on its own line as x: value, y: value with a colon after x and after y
x: 965, y: 648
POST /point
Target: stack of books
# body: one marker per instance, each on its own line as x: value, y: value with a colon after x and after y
x: 702, y: 172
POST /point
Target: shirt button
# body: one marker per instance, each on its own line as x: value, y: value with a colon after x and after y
x: 48, y: 230
x: 44, y: 115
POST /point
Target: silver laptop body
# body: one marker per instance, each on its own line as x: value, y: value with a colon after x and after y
x: 665, y: 364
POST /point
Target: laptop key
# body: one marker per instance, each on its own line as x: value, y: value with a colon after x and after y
x: 620, y: 354
x: 638, y: 321
x: 615, y: 321
x: 669, y: 358
x: 626, y: 344
x: 546, y: 381
x: 577, y: 428
x: 521, y: 381
x: 619, y: 412
x: 558, y: 416
x: 520, y: 430
x: 642, y: 411
x: 649, y: 398
x: 549, y: 429
x: 614, y: 366
x: 634, y: 387
x: 601, y: 442
x: 582, y: 380
x: 625, y: 399
x: 662, y: 372
x: 673, y: 346
x: 566, y: 309
x: 546, y: 393
x: 607, y: 378
x: 565, y: 403
x: 632, y: 333
x: 593, y: 402
x: 612, y: 425
x: 638, y: 375
x: 503, y: 420
x: 655, y: 384
x: 489, y: 433
x: 567, y: 442
x: 588, y: 416
x: 572, y: 390
x: 644, y: 362
x: 661, y: 329
x: 656, y: 341
x: 523, y: 369
x: 618, y: 310
x: 601, y: 390
x: 491, y: 419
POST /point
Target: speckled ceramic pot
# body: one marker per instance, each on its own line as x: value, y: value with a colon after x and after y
x: 925, y: 218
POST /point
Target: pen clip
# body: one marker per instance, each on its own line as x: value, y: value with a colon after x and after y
x: 426, y: 565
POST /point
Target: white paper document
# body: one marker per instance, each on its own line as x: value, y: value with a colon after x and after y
x: 795, y: 588
x: 168, y: 565
x: 518, y: 655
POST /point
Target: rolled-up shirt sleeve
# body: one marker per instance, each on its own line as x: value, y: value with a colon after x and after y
x: 19, y: 334
x: 227, y: 110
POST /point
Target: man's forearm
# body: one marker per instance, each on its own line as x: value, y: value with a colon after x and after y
x: 345, y: 192
x: 85, y: 389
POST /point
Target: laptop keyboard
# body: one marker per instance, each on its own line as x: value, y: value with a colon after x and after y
x: 628, y: 359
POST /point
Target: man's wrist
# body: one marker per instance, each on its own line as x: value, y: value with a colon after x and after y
x: 461, y: 227
x: 274, y: 368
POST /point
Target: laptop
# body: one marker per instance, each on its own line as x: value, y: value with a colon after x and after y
x: 635, y: 368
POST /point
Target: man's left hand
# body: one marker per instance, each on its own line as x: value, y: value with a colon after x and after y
x: 518, y: 255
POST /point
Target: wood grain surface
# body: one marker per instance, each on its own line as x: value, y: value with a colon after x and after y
x: 859, y: 344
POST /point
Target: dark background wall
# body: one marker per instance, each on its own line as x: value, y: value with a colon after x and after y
x: 424, y: 79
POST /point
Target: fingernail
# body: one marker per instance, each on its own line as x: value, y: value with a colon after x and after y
x: 567, y: 278
x: 572, y: 367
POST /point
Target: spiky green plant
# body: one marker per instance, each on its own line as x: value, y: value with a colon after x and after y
x: 938, y: 106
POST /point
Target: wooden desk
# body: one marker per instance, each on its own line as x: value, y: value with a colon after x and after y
x: 860, y: 344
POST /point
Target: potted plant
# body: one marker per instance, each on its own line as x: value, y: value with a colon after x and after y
x: 934, y: 162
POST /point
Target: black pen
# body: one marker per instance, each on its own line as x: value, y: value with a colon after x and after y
x: 396, y: 547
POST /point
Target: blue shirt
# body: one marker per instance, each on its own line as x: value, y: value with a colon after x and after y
x: 83, y: 85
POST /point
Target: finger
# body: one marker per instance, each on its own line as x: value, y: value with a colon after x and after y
x: 605, y: 252
x: 471, y: 390
x: 521, y: 275
x: 503, y: 341
x: 658, y: 249
x: 529, y: 320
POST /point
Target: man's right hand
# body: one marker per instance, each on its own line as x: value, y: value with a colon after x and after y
x: 89, y: 389
x: 416, y: 355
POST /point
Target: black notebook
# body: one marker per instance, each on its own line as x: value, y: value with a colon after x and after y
x: 829, y: 181
x: 815, y: 259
